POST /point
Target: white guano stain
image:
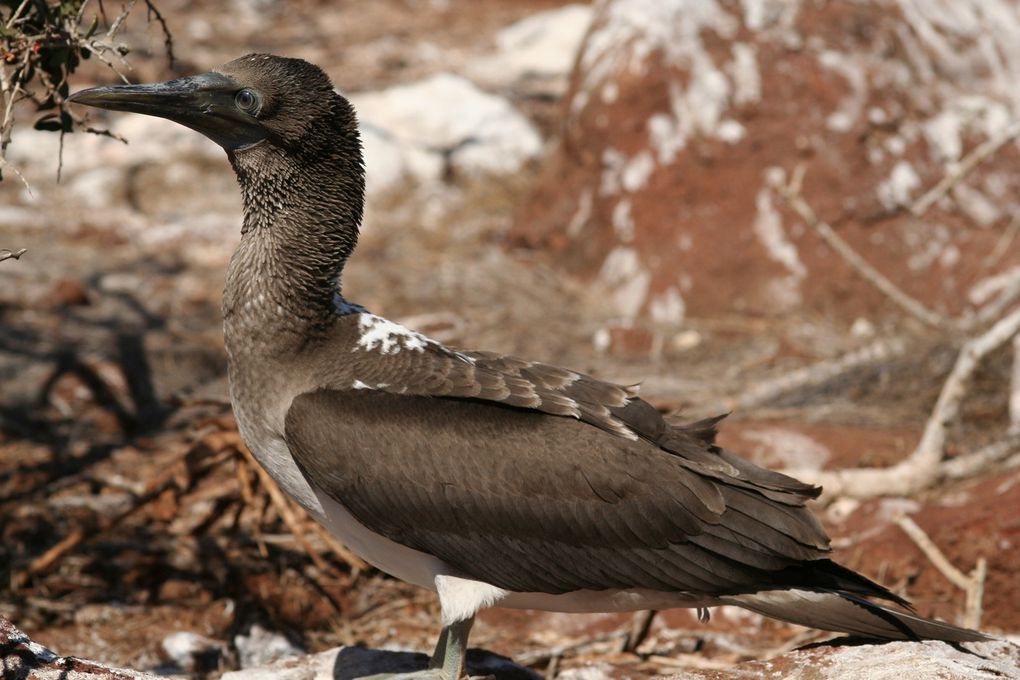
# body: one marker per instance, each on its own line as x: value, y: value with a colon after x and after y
x: 623, y: 221
x: 744, y: 72
x: 626, y: 279
x: 388, y: 337
x: 668, y: 307
x: 768, y: 227
x: 897, y: 190
x: 637, y: 171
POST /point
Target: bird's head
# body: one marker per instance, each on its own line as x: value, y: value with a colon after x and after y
x: 257, y: 99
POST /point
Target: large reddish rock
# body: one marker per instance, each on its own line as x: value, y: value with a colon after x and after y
x: 682, y: 116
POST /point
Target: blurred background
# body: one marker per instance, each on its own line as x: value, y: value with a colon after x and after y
x: 798, y: 211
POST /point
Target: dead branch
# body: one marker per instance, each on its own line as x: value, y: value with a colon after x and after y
x: 973, y: 463
x: 924, y: 466
x: 1008, y: 294
x: 876, y: 352
x: 12, y: 254
x: 973, y: 585
x: 1014, y: 389
x: 979, y: 155
x: 288, y: 513
x: 791, y: 193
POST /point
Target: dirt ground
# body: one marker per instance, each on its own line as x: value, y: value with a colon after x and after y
x: 129, y: 511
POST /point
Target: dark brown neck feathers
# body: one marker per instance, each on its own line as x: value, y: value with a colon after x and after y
x: 302, y: 209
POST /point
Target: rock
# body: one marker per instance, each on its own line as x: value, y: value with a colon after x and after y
x: 388, y: 161
x: 845, y: 658
x: 354, y: 662
x: 683, y: 116
x: 535, y: 53
x: 260, y: 647
x: 21, y: 658
x: 443, y: 122
x: 192, y: 652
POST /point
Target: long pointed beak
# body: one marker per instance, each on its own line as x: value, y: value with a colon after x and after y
x: 204, y: 103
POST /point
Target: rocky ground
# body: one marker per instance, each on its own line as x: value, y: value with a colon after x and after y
x: 135, y: 531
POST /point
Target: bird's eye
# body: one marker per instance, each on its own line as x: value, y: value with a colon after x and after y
x: 247, y: 101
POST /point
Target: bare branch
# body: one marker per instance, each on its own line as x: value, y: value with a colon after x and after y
x: 983, y: 152
x: 12, y: 254
x: 971, y: 464
x: 876, y: 352
x: 791, y: 193
x: 973, y: 585
x: 924, y: 466
x: 1014, y: 389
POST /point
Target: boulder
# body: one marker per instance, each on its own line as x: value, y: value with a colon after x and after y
x: 683, y: 116
x: 847, y: 659
x: 442, y: 124
x: 535, y: 54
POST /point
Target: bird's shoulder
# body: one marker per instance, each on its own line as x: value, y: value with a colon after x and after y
x: 371, y: 353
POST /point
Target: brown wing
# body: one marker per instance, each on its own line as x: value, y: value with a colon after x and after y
x: 529, y: 502
x: 408, y: 363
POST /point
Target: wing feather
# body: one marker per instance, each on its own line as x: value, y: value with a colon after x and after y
x: 535, y: 503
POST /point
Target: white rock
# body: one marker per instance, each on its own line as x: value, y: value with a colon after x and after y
x: 260, y: 647
x: 388, y: 162
x: 191, y: 651
x: 791, y: 448
x: 98, y: 187
x: 541, y: 47
x: 446, y: 114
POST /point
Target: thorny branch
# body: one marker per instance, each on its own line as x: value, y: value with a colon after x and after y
x: 41, y: 45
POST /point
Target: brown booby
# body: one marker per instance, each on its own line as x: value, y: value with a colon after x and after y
x: 492, y: 480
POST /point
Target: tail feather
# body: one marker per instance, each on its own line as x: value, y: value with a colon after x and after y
x: 845, y: 612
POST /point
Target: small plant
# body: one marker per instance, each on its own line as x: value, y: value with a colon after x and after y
x: 42, y: 42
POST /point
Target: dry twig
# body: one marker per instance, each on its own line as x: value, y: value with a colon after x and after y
x: 973, y: 585
x: 11, y: 254
x: 288, y: 513
x: 1014, y: 389
x: 881, y: 350
x: 979, y: 155
x: 791, y: 193
x: 924, y: 466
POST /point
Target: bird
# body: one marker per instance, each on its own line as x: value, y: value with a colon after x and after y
x: 490, y: 479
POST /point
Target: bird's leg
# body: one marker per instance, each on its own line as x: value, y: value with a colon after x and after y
x: 451, y: 649
x: 447, y: 660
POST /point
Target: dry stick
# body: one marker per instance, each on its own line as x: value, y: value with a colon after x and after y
x: 1009, y: 294
x: 972, y: 463
x: 1014, y: 390
x: 983, y: 152
x: 791, y: 193
x: 283, y: 506
x: 879, y: 351
x: 12, y: 254
x: 922, y: 467
x: 45, y: 561
x: 973, y: 585
x: 1003, y: 244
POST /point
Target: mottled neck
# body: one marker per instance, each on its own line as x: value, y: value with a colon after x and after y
x: 301, y: 218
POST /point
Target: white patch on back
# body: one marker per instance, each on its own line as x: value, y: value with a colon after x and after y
x: 388, y: 337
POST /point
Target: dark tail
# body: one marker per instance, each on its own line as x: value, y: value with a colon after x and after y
x: 846, y: 612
